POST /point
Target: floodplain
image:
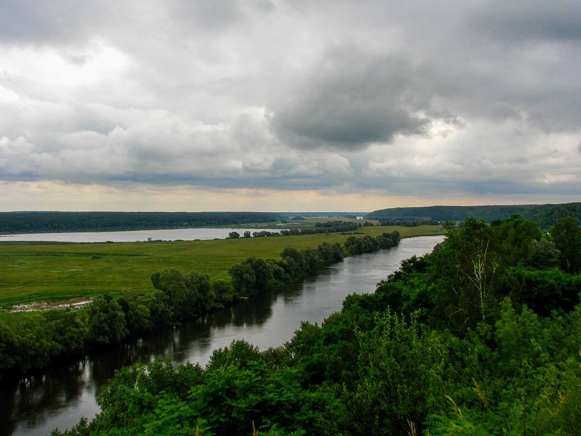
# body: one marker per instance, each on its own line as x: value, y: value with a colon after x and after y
x: 49, y: 272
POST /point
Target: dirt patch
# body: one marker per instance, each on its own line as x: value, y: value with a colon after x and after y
x: 74, y: 303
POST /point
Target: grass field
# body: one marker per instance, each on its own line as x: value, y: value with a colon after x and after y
x: 52, y: 272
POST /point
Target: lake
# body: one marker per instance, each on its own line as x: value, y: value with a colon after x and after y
x: 131, y: 235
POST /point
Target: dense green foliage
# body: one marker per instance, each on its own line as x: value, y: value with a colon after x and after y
x: 408, y: 222
x: 38, y: 339
x: 451, y: 213
x: 548, y: 215
x: 324, y: 227
x: 26, y: 222
x: 477, y: 338
x: 367, y: 244
x: 545, y: 216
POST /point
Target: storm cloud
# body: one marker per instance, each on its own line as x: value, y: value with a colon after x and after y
x: 427, y: 99
x: 351, y: 100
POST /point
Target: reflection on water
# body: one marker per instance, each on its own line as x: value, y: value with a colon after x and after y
x: 61, y: 396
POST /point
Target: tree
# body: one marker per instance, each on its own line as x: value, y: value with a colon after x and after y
x: 173, y: 283
x: 566, y: 235
x: 200, y: 292
x: 68, y: 330
x: 243, y: 279
x: 233, y: 235
x: 515, y: 236
x: 468, y: 266
x: 157, y: 302
x: 312, y: 261
x: 330, y: 252
x: 543, y: 254
x: 8, y: 347
x: 106, y: 321
x: 223, y: 291
x: 543, y: 290
x: 138, y: 317
x: 402, y: 369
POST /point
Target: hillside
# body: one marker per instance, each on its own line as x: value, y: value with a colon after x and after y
x: 545, y: 215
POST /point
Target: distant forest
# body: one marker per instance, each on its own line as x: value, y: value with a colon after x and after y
x: 545, y: 215
x: 26, y: 222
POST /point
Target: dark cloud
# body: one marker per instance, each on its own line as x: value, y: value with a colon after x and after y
x: 49, y: 21
x: 539, y: 20
x: 350, y: 100
x: 207, y: 15
x: 431, y: 187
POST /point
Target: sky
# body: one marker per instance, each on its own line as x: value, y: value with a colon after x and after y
x: 288, y: 105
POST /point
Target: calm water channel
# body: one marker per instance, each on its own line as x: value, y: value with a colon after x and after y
x: 59, y: 397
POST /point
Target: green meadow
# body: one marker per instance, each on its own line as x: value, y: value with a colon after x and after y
x: 49, y: 272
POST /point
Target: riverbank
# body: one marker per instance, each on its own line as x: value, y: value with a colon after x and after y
x: 39, y: 340
x: 59, y: 397
x: 52, y: 272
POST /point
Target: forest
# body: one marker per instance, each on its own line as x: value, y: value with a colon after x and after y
x: 545, y: 216
x: 480, y: 337
x: 26, y: 222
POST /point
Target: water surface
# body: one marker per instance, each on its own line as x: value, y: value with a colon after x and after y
x: 130, y: 235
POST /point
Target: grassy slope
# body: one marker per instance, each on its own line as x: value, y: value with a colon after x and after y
x: 52, y: 272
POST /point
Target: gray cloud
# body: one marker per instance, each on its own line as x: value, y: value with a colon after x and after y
x: 539, y: 20
x: 350, y: 100
x: 214, y: 15
x: 398, y: 97
x: 50, y: 21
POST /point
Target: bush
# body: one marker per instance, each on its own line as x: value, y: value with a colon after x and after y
x: 106, y: 323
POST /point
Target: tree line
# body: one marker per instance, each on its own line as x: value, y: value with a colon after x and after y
x: 327, y: 227
x: 409, y: 222
x: 480, y: 337
x: 453, y: 213
x: 26, y: 222
x: 39, y: 339
x: 545, y: 215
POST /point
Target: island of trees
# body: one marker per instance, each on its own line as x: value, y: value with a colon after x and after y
x: 480, y: 337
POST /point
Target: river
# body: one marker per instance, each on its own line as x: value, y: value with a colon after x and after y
x: 61, y: 396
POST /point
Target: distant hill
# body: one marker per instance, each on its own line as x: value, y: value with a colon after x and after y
x: 27, y: 222
x: 322, y: 214
x: 545, y: 215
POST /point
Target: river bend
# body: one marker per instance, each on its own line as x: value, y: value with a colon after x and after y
x: 61, y: 396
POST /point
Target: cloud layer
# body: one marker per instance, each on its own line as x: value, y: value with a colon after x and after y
x: 437, y: 99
